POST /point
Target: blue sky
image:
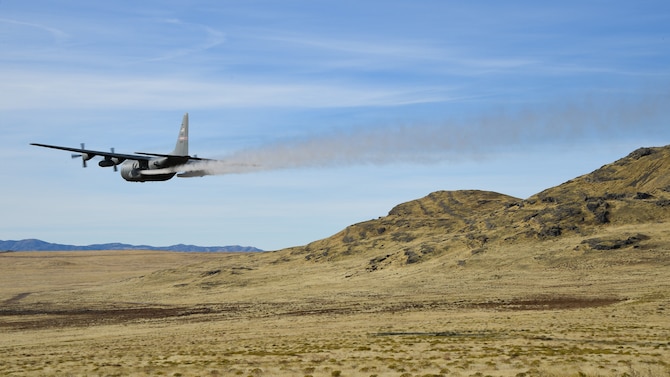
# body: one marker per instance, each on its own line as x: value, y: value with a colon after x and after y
x: 351, y: 106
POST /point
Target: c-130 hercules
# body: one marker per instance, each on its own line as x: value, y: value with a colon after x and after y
x: 141, y: 166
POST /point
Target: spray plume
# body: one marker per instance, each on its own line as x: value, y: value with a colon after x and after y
x: 448, y: 140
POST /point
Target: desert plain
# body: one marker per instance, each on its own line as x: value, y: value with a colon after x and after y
x: 574, y: 281
x: 270, y: 314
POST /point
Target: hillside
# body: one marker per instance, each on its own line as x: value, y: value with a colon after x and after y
x: 633, y: 190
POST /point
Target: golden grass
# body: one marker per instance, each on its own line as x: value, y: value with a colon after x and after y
x: 553, y: 308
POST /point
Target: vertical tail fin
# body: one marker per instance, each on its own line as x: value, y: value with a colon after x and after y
x: 181, y: 148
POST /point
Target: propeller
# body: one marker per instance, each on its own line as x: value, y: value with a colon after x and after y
x: 115, y: 167
x: 84, y: 156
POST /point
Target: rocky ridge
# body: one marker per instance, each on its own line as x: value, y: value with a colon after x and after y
x: 632, y: 190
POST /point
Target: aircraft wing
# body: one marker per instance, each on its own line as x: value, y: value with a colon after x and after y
x: 91, y: 153
x: 139, y: 156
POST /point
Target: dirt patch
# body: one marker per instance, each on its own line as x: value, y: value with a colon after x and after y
x: 549, y: 303
x: 21, y: 318
x: 49, y: 318
x: 450, y: 334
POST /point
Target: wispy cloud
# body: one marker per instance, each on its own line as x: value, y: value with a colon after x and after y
x: 379, y: 53
x: 209, y: 38
x: 393, y: 49
x: 44, y: 90
x: 57, y: 34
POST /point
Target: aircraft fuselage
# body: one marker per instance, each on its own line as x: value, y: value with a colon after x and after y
x: 131, y: 170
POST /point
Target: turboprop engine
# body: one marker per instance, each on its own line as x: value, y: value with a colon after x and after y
x: 111, y: 161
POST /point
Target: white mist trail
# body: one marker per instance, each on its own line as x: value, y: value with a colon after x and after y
x: 451, y: 140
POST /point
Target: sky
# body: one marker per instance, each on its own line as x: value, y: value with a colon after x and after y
x: 344, y: 109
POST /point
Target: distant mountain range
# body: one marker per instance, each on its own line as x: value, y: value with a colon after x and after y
x: 39, y: 245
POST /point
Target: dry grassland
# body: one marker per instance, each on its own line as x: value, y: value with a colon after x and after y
x: 553, y: 308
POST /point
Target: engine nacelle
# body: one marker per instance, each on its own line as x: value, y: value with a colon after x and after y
x: 110, y: 161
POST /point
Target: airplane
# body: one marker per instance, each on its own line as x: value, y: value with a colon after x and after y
x: 142, y: 166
